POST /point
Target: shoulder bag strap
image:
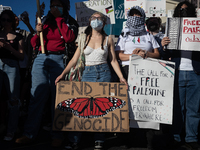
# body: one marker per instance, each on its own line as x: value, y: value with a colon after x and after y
x: 81, y: 42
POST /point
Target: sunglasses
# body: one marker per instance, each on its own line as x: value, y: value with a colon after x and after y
x: 4, y: 20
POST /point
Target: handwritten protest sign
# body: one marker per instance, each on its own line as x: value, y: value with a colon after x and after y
x: 91, y: 106
x: 85, y: 9
x: 151, y: 89
x: 184, y: 33
x: 152, y: 8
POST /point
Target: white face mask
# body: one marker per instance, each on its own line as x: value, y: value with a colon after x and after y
x: 97, y: 24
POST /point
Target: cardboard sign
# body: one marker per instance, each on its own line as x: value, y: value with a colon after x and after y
x: 91, y: 106
x: 152, y: 8
x: 85, y: 9
x: 184, y: 33
x: 151, y: 84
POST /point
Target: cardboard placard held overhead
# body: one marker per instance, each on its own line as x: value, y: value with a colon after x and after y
x: 91, y: 106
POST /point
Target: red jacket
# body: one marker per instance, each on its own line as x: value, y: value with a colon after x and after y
x: 52, y: 37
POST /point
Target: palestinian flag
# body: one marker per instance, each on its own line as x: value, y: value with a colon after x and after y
x: 109, y: 10
x: 138, y: 40
x: 133, y: 40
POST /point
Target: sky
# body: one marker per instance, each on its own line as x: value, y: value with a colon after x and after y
x: 19, y: 6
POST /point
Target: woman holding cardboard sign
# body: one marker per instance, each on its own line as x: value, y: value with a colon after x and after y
x: 98, y: 47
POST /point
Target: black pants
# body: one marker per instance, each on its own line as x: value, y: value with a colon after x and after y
x: 125, y: 70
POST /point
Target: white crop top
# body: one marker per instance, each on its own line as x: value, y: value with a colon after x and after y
x: 96, y: 56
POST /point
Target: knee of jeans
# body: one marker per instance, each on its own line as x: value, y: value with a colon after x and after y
x: 14, y: 102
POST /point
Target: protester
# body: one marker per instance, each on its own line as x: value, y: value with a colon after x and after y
x: 187, y: 86
x: 11, y: 50
x: 47, y: 67
x: 98, y: 47
x: 153, y: 25
x: 25, y: 64
x: 135, y: 40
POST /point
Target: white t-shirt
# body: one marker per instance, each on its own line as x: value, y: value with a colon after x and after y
x: 186, y: 61
x: 128, y: 44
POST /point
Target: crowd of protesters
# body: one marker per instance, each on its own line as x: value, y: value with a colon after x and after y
x: 28, y: 81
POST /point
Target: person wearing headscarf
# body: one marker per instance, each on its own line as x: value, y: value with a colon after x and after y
x: 134, y: 39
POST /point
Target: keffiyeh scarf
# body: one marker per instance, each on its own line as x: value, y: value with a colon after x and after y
x: 135, y: 24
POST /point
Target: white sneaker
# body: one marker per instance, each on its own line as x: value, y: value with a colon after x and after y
x: 99, y: 145
x: 9, y: 137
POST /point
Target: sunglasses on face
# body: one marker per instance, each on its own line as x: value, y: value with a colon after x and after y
x: 4, y: 20
x: 98, y: 18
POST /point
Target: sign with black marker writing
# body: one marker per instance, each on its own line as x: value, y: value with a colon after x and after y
x: 151, y: 84
x: 91, y: 106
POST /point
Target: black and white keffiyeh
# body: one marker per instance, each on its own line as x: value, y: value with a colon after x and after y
x: 135, y: 24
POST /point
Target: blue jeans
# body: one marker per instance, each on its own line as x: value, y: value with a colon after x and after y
x: 46, y: 68
x: 11, y: 78
x: 96, y: 73
x: 186, y: 105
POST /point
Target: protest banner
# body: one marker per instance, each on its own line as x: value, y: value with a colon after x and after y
x: 85, y: 9
x: 184, y: 33
x: 91, y: 106
x: 151, y: 84
x: 115, y: 29
x: 152, y: 8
